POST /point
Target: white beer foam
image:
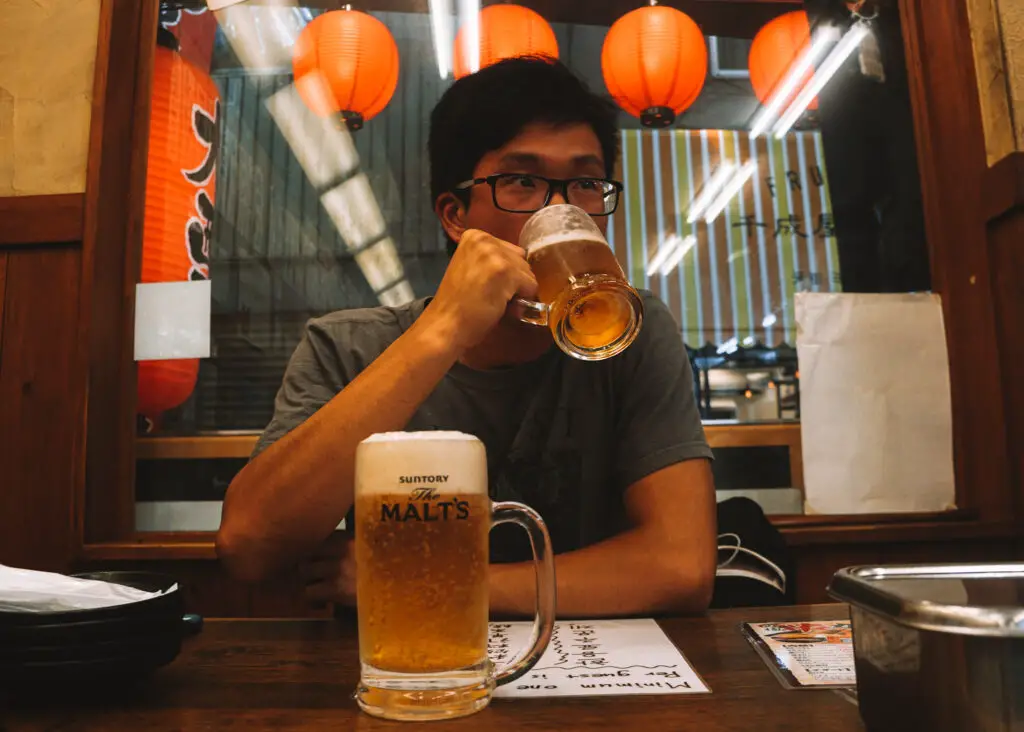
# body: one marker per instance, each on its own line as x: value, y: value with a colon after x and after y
x: 429, y: 435
x: 397, y: 462
x: 562, y: 237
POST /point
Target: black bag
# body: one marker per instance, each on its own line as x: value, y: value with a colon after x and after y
x: 755, y: 567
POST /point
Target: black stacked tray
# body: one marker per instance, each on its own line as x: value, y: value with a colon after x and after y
x: 126, y: 642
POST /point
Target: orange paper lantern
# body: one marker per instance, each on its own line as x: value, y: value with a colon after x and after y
x: 654, y: 62
x: 506, y: 31
x: 346, y: 62
x: 775, y: 49
x: 184, y: 142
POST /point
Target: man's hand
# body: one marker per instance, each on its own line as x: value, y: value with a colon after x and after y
x: 330, y: 572
x: 484, y: 274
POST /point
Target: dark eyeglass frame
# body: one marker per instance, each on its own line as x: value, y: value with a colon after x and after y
x: 554, y: 184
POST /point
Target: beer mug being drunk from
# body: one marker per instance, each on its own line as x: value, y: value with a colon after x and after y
x: 592, y: 311
x: 422, y: 519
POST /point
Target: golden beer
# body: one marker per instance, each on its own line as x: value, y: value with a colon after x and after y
x: 422, y: 516
x: 592, y: 311
x: 412, y: 620
x: 595, y: 312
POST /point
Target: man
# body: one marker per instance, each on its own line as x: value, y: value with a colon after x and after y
x: 612, y: 454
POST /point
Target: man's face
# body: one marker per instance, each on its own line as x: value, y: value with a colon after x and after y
x: 570, y: 151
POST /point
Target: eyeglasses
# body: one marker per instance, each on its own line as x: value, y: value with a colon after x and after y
x: 524, y: 193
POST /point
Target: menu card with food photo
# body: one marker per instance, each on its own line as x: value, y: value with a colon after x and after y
x: 806, y: 655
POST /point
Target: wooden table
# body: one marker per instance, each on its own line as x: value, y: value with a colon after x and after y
x: 299, y: 674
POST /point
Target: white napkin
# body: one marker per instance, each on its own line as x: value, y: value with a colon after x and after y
x: 29, y: 591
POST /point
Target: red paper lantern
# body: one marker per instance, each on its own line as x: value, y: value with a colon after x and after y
x: 346, y: 62
x: 776, y: 47
x: 654, y: 62
x: 506, y: 31
x: 180, y: 181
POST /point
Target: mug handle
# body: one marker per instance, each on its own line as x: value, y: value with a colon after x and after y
x: 534, y: 313
x: 543, y: 561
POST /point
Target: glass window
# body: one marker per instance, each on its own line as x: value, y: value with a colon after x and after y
x: 267, y: 214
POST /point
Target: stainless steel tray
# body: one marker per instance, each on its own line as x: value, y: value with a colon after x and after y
x: 937, y: 647
x: 967, y: 599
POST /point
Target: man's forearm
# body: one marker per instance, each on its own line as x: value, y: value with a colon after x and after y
x: 627, y: 574
x: 289, y: 499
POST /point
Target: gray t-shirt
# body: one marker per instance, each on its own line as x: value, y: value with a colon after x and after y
x: 566, y: 437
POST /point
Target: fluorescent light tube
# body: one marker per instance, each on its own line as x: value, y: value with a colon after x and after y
x: 730, y: 190
x: 821, y: 77
x: 796, y: 73
x: 441, y: 29
x: 681, y: 251
x: 667, y: 248
x: 714, y: 184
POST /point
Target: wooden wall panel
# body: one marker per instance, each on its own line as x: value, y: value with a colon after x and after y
x: 3, y: 285
x: 951, y: 154
x: 111, y: 258
x: 34, y: 220
x: 1006, y: 245
x: 42, y: 403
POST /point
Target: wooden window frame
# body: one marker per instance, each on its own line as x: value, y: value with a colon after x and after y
x: 947, y: 118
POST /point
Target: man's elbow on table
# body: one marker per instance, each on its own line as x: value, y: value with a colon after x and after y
x: 700, y: 588
x: 691, y: 586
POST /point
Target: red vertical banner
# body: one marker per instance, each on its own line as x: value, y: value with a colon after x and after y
x: 184, y: 142
x: 196, y: 31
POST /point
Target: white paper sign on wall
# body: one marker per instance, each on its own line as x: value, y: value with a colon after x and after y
x: 172, y: 320
x: 874, y: 403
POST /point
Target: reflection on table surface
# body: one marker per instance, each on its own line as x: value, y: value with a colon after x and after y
x: 299, y: 675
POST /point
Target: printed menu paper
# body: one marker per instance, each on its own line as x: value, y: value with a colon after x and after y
x: 805, y: 655
x: 596, y: 658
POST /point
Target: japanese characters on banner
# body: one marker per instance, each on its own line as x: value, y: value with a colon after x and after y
x: 775, y: 238
x: 196, y: 31
x: 206, y: 129
x: 181, y: 171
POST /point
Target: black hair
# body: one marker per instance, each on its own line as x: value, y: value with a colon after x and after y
x: 482, y: 112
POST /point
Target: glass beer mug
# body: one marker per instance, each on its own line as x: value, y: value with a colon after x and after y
x: 592, y: 311
x: 422, y: 519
